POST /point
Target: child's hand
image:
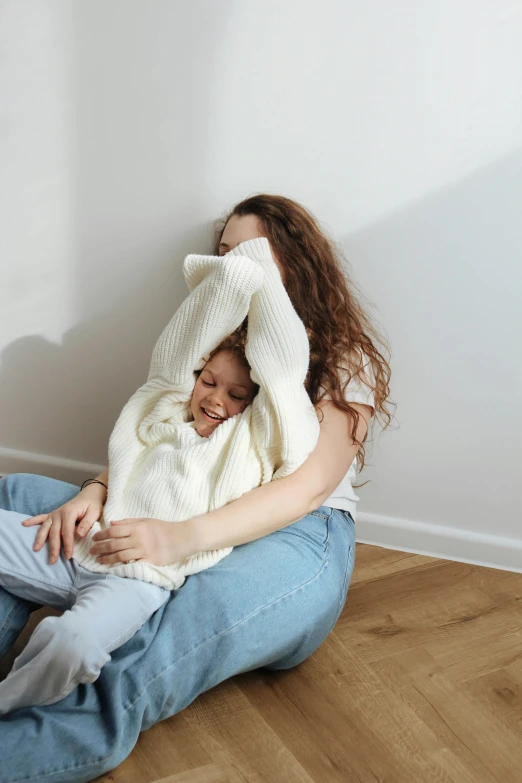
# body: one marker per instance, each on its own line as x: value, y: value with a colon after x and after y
x: 60, y: 525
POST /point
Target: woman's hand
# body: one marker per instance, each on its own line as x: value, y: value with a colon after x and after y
x: 60, y: 525
x: 153, y: 540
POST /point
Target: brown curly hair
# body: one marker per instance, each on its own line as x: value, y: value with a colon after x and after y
x: 329, y: 304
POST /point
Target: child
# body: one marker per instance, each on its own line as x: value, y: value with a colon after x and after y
x: 176, y: 451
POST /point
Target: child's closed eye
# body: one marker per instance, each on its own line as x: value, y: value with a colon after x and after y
x: 234, y: 396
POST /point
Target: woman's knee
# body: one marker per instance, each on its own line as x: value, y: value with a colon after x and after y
x: 14, y: 491
x: 31, y: 494
x: 8, y: 485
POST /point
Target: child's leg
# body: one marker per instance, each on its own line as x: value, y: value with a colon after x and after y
x: 68, y: 650
x: 27, y: 574
x: 28, y: 494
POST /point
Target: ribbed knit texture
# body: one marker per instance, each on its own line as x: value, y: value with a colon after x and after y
x: 159, y: 466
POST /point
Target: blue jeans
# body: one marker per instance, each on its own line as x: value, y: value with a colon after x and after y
x: 270, y: 603
x: 100, y: 613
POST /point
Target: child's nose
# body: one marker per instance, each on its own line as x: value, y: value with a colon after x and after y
x: 216, y: 398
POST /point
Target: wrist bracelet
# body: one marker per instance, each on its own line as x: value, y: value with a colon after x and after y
x: 93, y: 481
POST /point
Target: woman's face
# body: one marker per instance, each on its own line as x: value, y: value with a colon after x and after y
x: 240, y: 229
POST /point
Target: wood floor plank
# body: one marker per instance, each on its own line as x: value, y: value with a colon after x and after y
x: 495, y: 636
x: 396, y: 721
x: 463, y: 713
x: 360, y: 729
x: 427, y: 606
x: 210, y: 773
x: 501, y: 693
x: 373, y: 562
x: 448, y: 750
x: 240, y: 740
x: 171, y: 746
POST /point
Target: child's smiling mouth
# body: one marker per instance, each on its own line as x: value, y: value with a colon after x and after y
x: 213, y: 417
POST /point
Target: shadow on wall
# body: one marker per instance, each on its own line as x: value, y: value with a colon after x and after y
x: 63, y: 399
x: 139, y: 184
x: 445, y: 275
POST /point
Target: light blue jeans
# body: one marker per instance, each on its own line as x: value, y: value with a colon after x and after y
x: 270, y: 603
x: 100, y: 613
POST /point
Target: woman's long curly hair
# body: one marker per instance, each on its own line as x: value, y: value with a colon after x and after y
x: 329, y: 304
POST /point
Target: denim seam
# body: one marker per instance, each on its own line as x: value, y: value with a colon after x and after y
x: 326, y: 542
x: 345, y: 580
x: 326, y: 518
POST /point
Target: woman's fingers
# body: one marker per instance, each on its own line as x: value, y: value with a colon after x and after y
x: 55, y: 540
x: 30, y: 521
x: 59, y: 526
x: 41, y: 536
x: 84, y: 526
x: 69, y: 519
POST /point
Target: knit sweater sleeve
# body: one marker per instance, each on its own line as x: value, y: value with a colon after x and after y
x: 221, y: 289
x: 285, y: 424
x: 220, y: 293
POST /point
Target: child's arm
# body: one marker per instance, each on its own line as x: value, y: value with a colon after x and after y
x: 221, y: 290
x: 277, y: 349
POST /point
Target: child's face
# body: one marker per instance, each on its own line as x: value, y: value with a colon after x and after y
x: 224, y: 388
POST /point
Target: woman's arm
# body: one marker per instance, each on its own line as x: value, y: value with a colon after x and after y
x: 283, y: 501
x: 259, y: 512
x: 97, y: 489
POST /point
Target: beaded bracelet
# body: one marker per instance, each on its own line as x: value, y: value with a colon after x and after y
x: 93, y: 481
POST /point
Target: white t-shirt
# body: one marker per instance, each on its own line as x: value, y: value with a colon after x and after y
x: 343, y: 496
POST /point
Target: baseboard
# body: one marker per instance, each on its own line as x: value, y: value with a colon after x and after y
x: 72, y: 471
x: 449, y: 543
x: 404, y: 535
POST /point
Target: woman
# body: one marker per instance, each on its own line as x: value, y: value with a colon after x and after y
x: 276, y: 597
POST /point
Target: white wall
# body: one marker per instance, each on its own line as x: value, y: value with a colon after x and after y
x: 128, y: 126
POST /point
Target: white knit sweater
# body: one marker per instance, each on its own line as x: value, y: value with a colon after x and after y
x: 159, y: 466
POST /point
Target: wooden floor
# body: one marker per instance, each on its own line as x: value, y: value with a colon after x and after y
x: 420, y: 681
